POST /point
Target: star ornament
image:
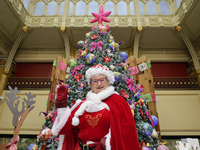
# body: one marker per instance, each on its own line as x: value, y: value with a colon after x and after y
x: 102, y: 16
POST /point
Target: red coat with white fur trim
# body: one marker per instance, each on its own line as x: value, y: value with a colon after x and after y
x: 117, y: 124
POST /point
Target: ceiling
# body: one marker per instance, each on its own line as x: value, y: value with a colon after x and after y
x: 51, y: 38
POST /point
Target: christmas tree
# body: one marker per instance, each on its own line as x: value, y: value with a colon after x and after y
x: 99, y: 47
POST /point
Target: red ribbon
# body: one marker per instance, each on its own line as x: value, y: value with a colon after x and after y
x: 12, y: 145
x: 74, y: 71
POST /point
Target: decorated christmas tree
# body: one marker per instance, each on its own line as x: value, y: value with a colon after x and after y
x: 99, y: 47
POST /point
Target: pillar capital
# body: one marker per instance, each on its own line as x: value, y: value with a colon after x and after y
x: 25, y: 28
x: 63, y: 29
x: 178, y: 28
x: 139, y: 28
x: 6, y: 71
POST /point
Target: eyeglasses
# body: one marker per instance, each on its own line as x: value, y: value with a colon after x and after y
x: 102, y: 80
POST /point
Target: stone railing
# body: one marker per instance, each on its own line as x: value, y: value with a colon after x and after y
x: 29, y: 83
x: 116, y: 20
x: 175, y: 83
x: 159, y: 83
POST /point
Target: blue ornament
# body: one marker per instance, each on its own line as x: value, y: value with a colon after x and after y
x: 146, y: 129
x: 90, y: 58
x: 162, y: 147
x: 32, y: 147
x: 124, y: 56
x: 80, y: 44
x: 154, y: 119
x: 117, y: 76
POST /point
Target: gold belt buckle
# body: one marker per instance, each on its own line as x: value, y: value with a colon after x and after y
x: 85, y: 145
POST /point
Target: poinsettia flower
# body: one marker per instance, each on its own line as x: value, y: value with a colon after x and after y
x: 124, y: 94
x: 106, y: 59
x: 94, y: 36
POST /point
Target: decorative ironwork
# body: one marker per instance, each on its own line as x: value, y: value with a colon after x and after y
x: 29, y: 83
x: 178, y: 83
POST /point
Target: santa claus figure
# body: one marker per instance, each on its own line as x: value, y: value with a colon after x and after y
x: 102, y: 121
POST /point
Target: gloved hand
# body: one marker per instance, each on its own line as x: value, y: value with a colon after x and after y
x: 62, y: 94
x: 101, y: 145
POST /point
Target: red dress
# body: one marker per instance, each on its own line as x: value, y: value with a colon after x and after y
x: 117, y: 124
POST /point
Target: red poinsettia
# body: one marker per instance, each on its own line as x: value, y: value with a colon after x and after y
x: 106, y: 59
x: 124, y: 94
x: 78, y: 77
x: 94, y: 36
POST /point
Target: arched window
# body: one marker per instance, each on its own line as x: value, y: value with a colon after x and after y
x: 26, y: 3
x: 141, y: 8
x: 80, y: 8
x: 164, y: 8
x: 132, y: 8
x: 93, y: 7
x: 51, y: 10
x: 122, y: 10
x: 70, y: 8
x: 151, y: 8
x: 110, y: 7
x: 62, y: 8
x: 39, y: 8
x: 178, y: 3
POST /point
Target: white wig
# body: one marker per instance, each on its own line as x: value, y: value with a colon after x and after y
x: 99, y: 69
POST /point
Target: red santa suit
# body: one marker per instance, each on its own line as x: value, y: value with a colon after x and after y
x: 103, y: 115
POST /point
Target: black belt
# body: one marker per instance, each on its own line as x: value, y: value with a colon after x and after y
x: 84, y: 146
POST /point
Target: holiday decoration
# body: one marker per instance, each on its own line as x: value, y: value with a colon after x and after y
x: 140, y: 87
x: 55, y: 62
x: 78, y: 77
x: 117, y: 76
x: 61, y: 65
x: 133, y: 70
x: 155, y: 120
x: 149, y: 64
x: 146, y: 129
x: 154, y: 134
x: 94, y: 36
x: 142, y: 66
x: 146, y: 148
x: 75, y: 70
x: 71, y: 63
x: 32, y: 147
x: 109, y: 53
x: 90, y: 58
x: 124, y: 94
x: 124, y: 65
x: 45, y: 134
x: 80, y: 44
x: 112, y: 67
x: 162, y: 147
x: 132, y: 106
x: 130, y: 84
x: 124, y: 56
x: 101, y: 16
x: 111, y: 46
x: 106, y: 59
x: 87, y: 35
x: 103, y: 30
x: 82, y: 53
x: 93, y: 46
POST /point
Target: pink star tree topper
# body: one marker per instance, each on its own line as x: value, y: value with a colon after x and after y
x: 102, y: 16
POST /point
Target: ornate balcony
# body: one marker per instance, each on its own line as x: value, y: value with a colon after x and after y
x: 159, y: 83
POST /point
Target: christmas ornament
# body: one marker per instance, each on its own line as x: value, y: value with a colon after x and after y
x: 78, y: 77
x: 94, y: 36
x: 149, y: 116
x: 94, y: 44
x: 75, y: 70
x: 124, y: 94
x: 71, y: 63
x: 87, y: 35
x: 111, y: 46
x: 154, y: 119
x: 90, y: 58
x: 140, y: 87
x: 48, y: 115
x: 117, y: 76
x: 141, y: 113
x: 32, y: 147
x: 132, y: 106
x: 112, y: 67
x: 80, y: 44
x: 124, y: 56
x: 145, y: 129
x: 124, y: 65
x: 146, y: 148
x: 106, y: 59
x: 154, y: 134
x: 82, y: 53
x: 162, y: 147
x: 45, y: 134
x: 102, y: 16
x: 130, y: 84
x: 81, y: 86
x: 109, y: 53
x: 102, y: 30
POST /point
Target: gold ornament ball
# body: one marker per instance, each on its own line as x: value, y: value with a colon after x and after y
x: 112, y: 67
